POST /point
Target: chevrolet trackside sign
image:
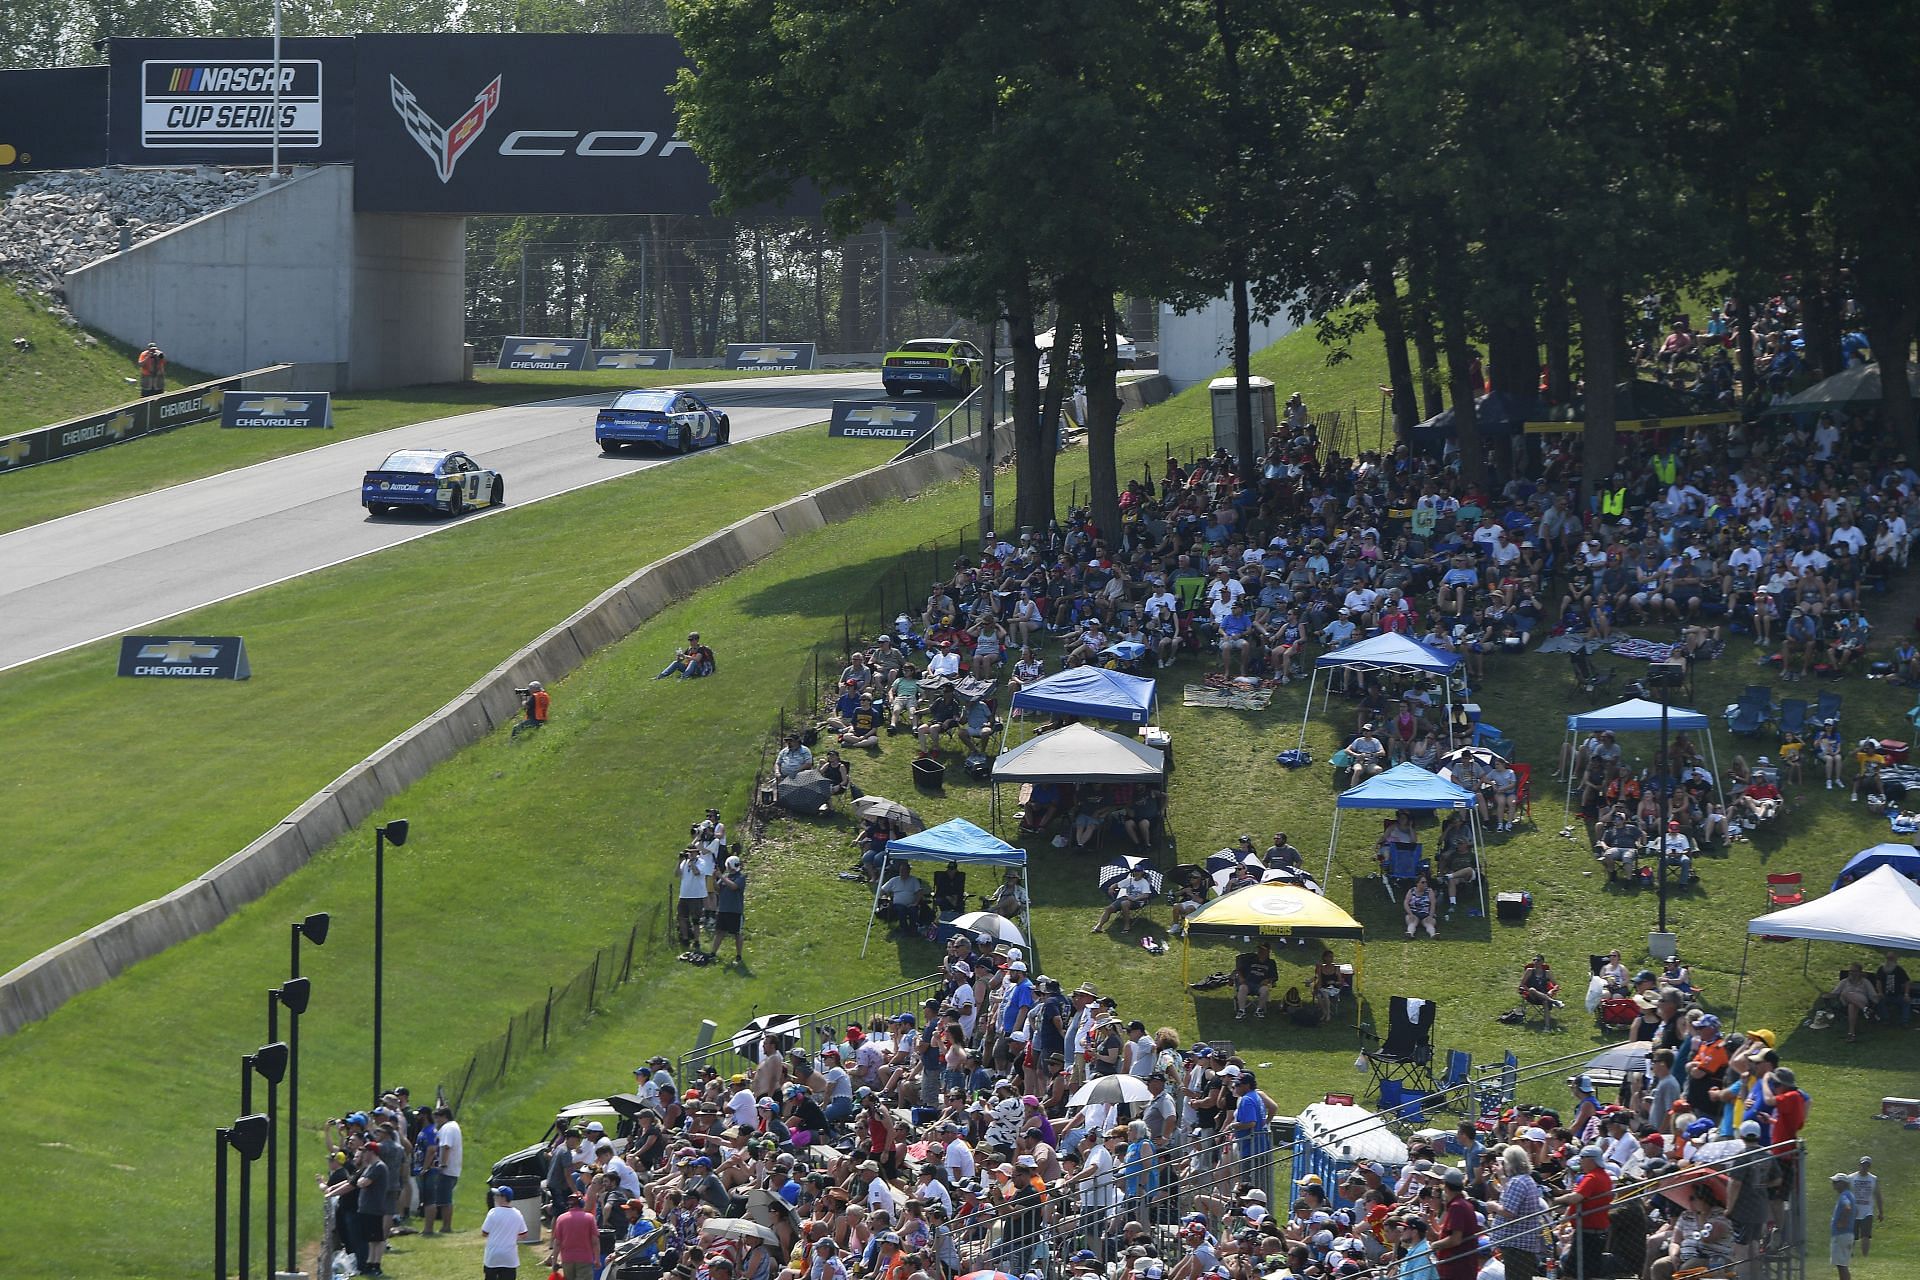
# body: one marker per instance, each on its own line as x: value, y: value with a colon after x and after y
x: 277, y: 409
x: 881, y: 419
x: 769, y: 357
x: 631, y: 358
x: 566, y: 355
x: 185, y: 657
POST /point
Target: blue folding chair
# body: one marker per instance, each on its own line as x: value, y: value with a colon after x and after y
x: 1828, y: 708
x: 1793, y: 717
x: 1400, y: 1102
x: 1497, y: 1090
x: 1490, y: 737
x: 1453, y: 1086
x: 1404, y: 864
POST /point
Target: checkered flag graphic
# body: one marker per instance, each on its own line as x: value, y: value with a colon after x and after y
x: 423, y: 128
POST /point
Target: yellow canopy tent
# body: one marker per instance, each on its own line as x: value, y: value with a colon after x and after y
x: 1274, y: 910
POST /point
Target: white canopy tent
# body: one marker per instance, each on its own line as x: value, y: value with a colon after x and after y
x: 1078, y: 753
x: 1638, y: 715
x: 1879, y: 910
x: 1390, y: 652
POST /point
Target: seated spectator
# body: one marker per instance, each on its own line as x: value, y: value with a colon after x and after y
x: 903, y: 897
x: 1330, y: 982
x: 903, y: 699
x: 1142, y: 814
x: 976, y: 732
x: 1128, y: 895
x: 1234, y: 641
x: 691, y: 662
x: 793, y: 758
x: 1537, y: 986
x: 1367, y: 754
x: 1253, y: 976
x: 1506, y: 795
x: 950, y: 890
x: 1455, y: 870
x: 939, y: 718
x: 1868, y: 760
x: 1676, y: 851
x: 862, y: 728
x: 1009, y: 901
x: 943, y: 661
x: 1421, y: 907
x: 1192, y: 896
x: 1855, y: 995
x: 840, y: 775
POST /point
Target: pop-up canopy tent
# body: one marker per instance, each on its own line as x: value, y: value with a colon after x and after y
x: 1859, y: 384
x: 1497, y: 415
x: 1091, y: 693
x: 1078, y: 753
x: 1903, y: 858
x: 1274, y: 910
x: 1390, y: 652
x: 954, y: 841
x: 1408, y: 786
x: 1638, y: 715
x: 1879, y: 910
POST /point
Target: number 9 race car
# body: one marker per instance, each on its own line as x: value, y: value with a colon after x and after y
x: 931, y: 364
x: 444, y: 480
x: 679, y: 420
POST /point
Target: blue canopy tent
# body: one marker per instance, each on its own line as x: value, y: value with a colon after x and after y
x: 1903, y: 858
x: 1408, y: 786
x: 1092, y: 693
x: 958, y: 841
x: 1639, y: 715
x: 1390, y: 652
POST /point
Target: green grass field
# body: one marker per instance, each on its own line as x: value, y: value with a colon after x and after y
x: 527, y: 857
x: 61, y: 375
x: 154, y: 462
x: 343, y: 659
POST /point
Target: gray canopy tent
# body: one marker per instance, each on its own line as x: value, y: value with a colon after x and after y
x: 1078, y: 753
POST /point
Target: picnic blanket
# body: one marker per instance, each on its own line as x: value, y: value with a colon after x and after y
x: 1644, y: 650
x: 1229, y: 698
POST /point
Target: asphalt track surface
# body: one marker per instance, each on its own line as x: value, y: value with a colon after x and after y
x: 126, y: 566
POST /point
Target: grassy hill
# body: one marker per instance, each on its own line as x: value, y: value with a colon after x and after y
x: 65, y: 372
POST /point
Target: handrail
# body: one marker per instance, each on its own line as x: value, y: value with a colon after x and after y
x: 902, y: 996
x: 969, y: 404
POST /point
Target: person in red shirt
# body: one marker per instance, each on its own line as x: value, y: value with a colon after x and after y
x: 576, y: 1241
x: 1790, y: 1106
x: 1591, y: 1205
x: 1456, y: 1249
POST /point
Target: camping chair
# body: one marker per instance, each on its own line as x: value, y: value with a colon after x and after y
x: 1793, y: 717
x: 1490, y: 737
x: 1453, y: 1087
x: 1828, y: 708
x: 1496, y: 1092
x: 1587, y: 674
x: 1524, y: 792
x: 1404, y: 863
x: 1753, y: 709
x: 1400, y: 1102
x: 1407, y: 1054
x: 1784, y: 890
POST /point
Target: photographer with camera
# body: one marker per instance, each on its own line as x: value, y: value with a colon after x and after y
x: 534, y: 702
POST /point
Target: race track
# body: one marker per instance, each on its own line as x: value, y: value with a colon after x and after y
x: 122, y: 567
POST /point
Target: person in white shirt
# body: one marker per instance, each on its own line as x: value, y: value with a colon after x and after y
x: 959, y: 1156
x: 1825, y: 436
x: 619, y: 1168
x: 1849, y: 534
x: 1621, y: 1148
x: 1140, y: 1051
x: 696, y: 877
x: 448, y: 1152
x: 1222, y: 592
x: 1746, y: 556
x: 944, y: 661
x: 1163, y: 599
x: 1129, y: 895
x: 1813, y: 556
x: 740, y: 1107
x: 502, y: 1230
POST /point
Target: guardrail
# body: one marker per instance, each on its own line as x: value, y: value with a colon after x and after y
x: 962, y: 422
x: 822, y: 1026
x: 130, y: 421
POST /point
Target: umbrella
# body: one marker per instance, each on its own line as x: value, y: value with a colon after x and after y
x: 1119, y: 869
x: 1290, y: 875
x: 1114, y: 1090
x: 1720, y: 1149
x: 738, y: 1229
x: 805, y: 792
x: 1480, y: 755
x: 746, y: 1041
x: 1613, y: 1065
x: 997, y: 927
x: 1859, y: 384
x: 1230, y: 858
x: 988, y: 1275
x: 1184, y: 872
x: 880, y: 809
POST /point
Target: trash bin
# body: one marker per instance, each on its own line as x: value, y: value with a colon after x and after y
x: 1265, y: 419
x: 526, y: 1199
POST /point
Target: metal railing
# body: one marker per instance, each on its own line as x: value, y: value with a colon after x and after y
x: 962, y: 422
x: 812, y: 1030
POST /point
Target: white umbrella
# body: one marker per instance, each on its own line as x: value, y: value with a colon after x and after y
x: 994, y: 926
x: 881, y: 809
x: 1230, y: 858
x: 746, y: 1041
x: 1120, y: 868
x: 1115, y: 1090
x: 739, y: 1229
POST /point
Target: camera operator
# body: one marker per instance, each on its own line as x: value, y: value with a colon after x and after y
x: 534, y: 702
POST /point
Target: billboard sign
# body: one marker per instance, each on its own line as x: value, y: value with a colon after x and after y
x: 277, y: 409
x: 568, y: 355
x: 178, y: 100
x: 632, y: 358
x: 114, y: 426
x: 53, y: 119
x: 768, y: 357
x: 185, y: 657
x: 882, y: 419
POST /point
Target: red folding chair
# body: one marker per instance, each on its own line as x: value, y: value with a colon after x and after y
x: 1525, y: 790
x: 1783, y: 890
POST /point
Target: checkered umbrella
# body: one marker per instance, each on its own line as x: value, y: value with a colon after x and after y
x: 1120, y: 868
x: 1228, y: 859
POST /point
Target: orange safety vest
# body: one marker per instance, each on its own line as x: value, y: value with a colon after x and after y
x: 537, y: 706
x: 152, y: 363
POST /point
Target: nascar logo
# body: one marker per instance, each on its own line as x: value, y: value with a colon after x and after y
x: 231, y: 78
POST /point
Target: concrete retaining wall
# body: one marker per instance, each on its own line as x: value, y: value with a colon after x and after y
x: 36, y: 988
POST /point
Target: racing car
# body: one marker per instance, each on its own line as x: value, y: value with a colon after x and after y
x: 445, y: 480
x: 677, y: 419
x: 931, y: 364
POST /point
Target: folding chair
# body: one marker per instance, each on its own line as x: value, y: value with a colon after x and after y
x: 1452, y: 1086
x: 1793, y: 717
x: 1828, y: 708
x: 1753, y: 710
x: 1784, y: 890
x: 1525, y: 790
x: 1400, y: 1102
x: 1496, y: 1092
x: 1404, y: 864
x: 1587, y: 674
x: 1407, y: 1053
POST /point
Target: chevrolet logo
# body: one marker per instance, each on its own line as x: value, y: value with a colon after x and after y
x: 119, y: 425
x: 768, y: 355
x: 628, y: 361
x: 211, y: 401
x: 273, y: 405
x: 15, y: 452
x: 543, y: 350
x: 883, y: 415
x: 179, y: 651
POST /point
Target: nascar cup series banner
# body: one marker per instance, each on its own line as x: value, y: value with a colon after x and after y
x: 184, y: 100
x: 882, y: 420
x: 185, y: 657
x: 768, y: 357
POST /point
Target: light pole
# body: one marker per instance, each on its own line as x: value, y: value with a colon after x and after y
x: 276, y: 100
x: 313, y: 929
x: 293, y: 995
x: 987, y: 389
x: 270, y: 1061
x: 248, y: 1135
x: 395, y: 831
x: 1663, y: 676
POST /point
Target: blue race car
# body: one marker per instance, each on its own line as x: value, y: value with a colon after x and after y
x: 679, y: 420
x: 444, y: 480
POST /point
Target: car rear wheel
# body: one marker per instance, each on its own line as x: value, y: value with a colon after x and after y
x: 611, y: 446
x: 684, y: 441
x: 499, y: 492
x: 377, y: 508
x: 726, y: 430
x: 457, y: 504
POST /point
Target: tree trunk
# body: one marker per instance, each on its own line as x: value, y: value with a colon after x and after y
x: 1453, y: 333
x: 1103, y: 415
x: 1033, y: 445
x: 1891, y: 320
x: 1246, y: 451
x: 1556, y: 327
x: 1599, y: 349
x: 1393, y: 333
x: 1420, y: 324
x: 1066, y: 326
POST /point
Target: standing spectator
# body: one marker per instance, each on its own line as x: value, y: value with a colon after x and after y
x: 372, y: 1229
x: 502, y: 1229
x: 1253, y: 1139
x: 1518, y: 1231
x: 1866, y: 1204
x: 1416, y: 1259
x: 1589, y: 1204
x: 576, y: 1241
x: 1456, y: 1251
x: 729, y: 905
x: 694, y: 871
x: 1840, y: 1249
x: 448, y: 1153
x: 153, y: 369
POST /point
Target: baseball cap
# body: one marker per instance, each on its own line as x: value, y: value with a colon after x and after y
x: 504, y: 1191
x: 1749, y: 1128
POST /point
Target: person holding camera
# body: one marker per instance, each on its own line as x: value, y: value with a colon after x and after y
x: 535, y: 704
